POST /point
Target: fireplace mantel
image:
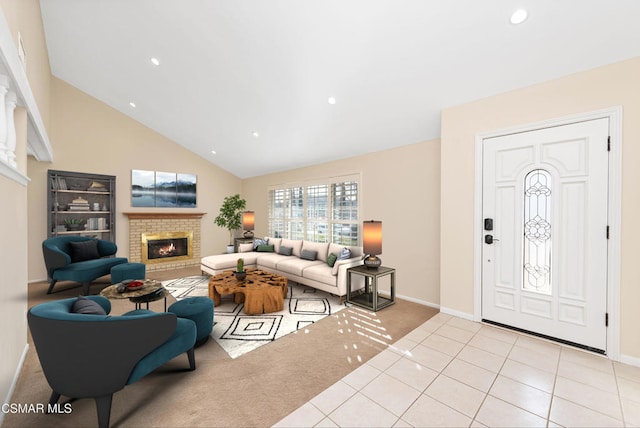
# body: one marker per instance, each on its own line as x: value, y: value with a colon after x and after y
x: 161, y: 216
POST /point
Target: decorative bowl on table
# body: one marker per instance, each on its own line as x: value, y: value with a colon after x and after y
x: 133, y: 284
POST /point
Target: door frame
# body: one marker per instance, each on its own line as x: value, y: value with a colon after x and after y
x: 614, y: 213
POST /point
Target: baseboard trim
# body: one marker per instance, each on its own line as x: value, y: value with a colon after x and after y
x: 12, y: 388
x: 458, y: 314
x: 414, y: 300
x: 632, y: 361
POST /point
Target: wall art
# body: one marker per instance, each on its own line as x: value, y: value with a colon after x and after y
x: 162, y: 189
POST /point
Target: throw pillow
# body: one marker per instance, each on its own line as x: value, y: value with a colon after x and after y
x: 308, y: 255
x: 258, y: 242
x: 285, y: 251
x: 345, y: 253
x: 265, y: 248
x: 331, y: 260
x: 87, y: 307
x: 245, y: 248
x: 84, y: 250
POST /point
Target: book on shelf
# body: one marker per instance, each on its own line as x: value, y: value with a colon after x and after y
x: 96, y: 223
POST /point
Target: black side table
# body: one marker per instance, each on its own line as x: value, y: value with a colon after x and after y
x: 370, y: 299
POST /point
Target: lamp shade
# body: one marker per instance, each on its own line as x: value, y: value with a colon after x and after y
x: 372, y: 237
x: 248, y: 220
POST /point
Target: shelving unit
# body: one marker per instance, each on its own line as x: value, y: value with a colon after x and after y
x: 76, y: 196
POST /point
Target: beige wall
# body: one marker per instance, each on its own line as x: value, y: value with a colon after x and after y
x: 89, y: 136
x: 23, y: 16
x: 401, y: 188
x: 605, y: 87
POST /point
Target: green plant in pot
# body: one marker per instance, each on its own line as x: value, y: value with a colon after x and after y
x: 230, y: 216
x: 74, y: 223
x: 240, y: 273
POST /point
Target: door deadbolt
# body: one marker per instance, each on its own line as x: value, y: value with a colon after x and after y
x: 488, y: 224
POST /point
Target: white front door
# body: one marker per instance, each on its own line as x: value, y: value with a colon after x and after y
x: 545, y: 207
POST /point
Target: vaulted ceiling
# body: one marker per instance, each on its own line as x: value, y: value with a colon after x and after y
x: 229, y: 69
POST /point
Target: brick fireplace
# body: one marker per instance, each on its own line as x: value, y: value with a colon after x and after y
x: 164, y: 241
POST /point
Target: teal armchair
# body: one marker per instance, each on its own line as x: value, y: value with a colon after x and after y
x: 93, y: 356
x: 78, y: 258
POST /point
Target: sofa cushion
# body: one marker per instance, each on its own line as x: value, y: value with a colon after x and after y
x: 260, y: 241
x: 88, y: 307
x: 295, y: 265
x: 331, y: 259
x: 285, y: 251
x: 308, y: 255
x: 275, y: 242
x: 321, y: 273
x: 84, y: 250
x: 321, y: 248
x: 269, y: 260
x: 245, y: 248
x: 265, y: 248
x: 88, y: 270
x: 296, y: 244
x: 228, y: 261
x: 345, y: 253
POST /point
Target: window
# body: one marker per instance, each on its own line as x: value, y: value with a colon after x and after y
x: 537, y: 232
x: 319, y: 211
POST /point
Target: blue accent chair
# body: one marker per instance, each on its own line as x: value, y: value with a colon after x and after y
x: 93, y: 356
x: 58, y: 259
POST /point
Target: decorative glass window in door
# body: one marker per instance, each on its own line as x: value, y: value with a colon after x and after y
x: 537, y: 232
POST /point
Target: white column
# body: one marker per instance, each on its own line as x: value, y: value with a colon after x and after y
x: 11, y: 101
x: 4, y: 87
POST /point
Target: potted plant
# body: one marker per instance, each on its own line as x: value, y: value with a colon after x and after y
x: 240, y: 273
x: 230, y: 216
x: 74, y: 223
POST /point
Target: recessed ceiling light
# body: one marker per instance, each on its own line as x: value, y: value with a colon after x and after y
x: 255, y: 134
x: 519, y: 16
x: 155, y: 61
x: 132, y: 104
x: 331, y: 100
x: 213, y: 151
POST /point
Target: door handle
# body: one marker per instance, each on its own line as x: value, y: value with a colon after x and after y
x: 489, y: 239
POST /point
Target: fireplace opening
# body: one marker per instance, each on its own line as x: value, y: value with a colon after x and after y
x: 162, y: 248
x: 167, y: 246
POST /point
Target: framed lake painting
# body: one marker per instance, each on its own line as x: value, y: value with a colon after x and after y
x: 163, y: 189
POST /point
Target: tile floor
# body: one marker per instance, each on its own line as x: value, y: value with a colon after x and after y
x: 454, y: 372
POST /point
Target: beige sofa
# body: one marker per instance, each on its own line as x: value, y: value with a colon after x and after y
x: 314, y: 273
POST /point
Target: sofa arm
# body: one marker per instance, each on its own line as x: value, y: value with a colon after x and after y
x: 54, y: 258
x: 106, y: 248
x: 341, y: 280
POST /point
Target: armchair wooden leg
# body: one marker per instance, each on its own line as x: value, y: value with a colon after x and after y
x: 192, y: 359
x: 103, y: 405
x: 85, y: 288
x: 51, y: 284
x: 53, y: 400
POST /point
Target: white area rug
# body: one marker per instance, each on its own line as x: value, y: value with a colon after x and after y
x: 239, y: 333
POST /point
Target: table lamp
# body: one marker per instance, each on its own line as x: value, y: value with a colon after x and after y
x: 372, y: 243
x: 248, y: 223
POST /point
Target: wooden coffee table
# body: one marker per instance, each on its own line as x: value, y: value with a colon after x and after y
x: 261, y: 292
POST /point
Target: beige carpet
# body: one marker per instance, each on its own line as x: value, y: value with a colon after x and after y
x: 254, y: 390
